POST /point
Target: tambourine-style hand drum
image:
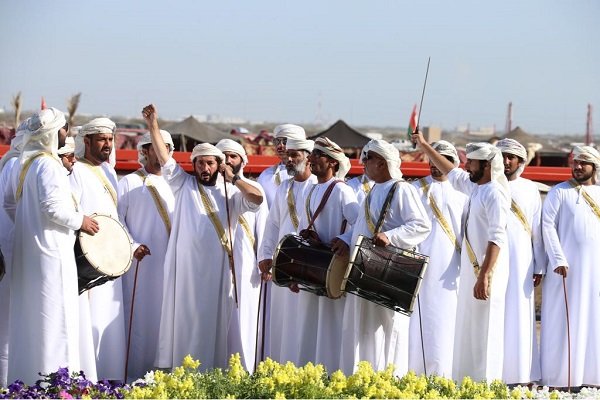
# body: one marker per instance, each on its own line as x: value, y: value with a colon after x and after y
x: 104, y: 256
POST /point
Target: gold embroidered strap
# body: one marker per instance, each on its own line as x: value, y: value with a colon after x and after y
x: 246, y: 227
x: 24, y: 173
x: 472, y: 257
x: 365, y: 184
x: 368, y: 216
x: 75, y: 202
x: 440, y: 216
x: 292, y: 206
x: 586, y: 196
x: 97, y: 170
x: 162, y: 211
x: 514, y: 207
x: 277, y: 175
x: 214, y: 218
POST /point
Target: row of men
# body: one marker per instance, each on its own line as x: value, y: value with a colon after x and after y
x: 188, y: 303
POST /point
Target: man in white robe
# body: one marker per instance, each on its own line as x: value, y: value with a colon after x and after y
x: 248, y: 236
x: 67, y: 154
x: 94, y: 185
x: 479, y: 335
x: 319, y: 317
x: 199, y: 315
x: 571, y: 228
x: 145, y: 206
x: 434, y: 315
x: 527, y: 261
x: 372, y: 332
x: 271, y: 178
x: 7, y: 163
x: 361, y: 185
x: 283, y: 330
x: 44, y: 313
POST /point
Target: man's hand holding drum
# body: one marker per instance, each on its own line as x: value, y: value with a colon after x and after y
x: 89, y: 225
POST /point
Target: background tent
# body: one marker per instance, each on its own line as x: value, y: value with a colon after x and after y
x: 189, y: 132
x: 345, y: 136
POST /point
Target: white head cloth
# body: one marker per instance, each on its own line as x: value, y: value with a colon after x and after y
x: 511, y: 146
x: 69, y: 146
x: 97, y: 125
x: 16, y: 144
x: 489, y: 152
x: 234, y: 147
x: 146, y: 139
x: 206, y: 149
x: 334, y: 151
x: 588, y: 154
x: 42, y: 134
x: 447, y: 149
x: 289, y: 131
x: 300, y: 144
x: 388, y: 152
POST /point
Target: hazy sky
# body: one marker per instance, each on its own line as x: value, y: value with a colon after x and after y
x: 363, y: 61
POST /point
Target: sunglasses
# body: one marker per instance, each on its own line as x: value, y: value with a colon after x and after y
x: 278, y: 141
x: 68, y: 156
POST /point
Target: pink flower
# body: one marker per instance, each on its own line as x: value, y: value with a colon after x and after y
x: 63, y: 394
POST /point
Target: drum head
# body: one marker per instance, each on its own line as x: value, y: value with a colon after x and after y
x: 335, y: 276
x: 109, y: 250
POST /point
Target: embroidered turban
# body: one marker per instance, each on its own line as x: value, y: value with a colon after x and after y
x: 234, y: 147
x: 289, y: 131
x: 447, y: 149
x: 388, y: 152
x: 334, y: 151
x: 206, y: 149
x: 147, y: 139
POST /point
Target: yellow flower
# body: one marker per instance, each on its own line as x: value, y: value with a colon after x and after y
x: 190, y: 363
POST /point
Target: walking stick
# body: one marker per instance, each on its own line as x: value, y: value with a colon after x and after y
x: 258, y: 315
x: 231, y: 263
x: 564, y: 280
x: 131, y: 319
x: 421, y: 329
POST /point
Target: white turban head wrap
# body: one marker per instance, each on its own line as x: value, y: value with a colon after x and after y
x: 511, y: 146
x: 447, y: 149
x: 489, y: 152
x: 588, y: 154
x: 42, y: 133
x: 388, y: 152
x: 234, y: 147
x: 207, y: 149
x: 300, y: 144
x: 95, y: 126
x: 147, y: 139
x: 334, y: 151
x: 289, y: 131
x: 16, y: 144
x: 69, y: 146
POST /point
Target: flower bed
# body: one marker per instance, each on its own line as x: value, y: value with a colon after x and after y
x: 274, y: 380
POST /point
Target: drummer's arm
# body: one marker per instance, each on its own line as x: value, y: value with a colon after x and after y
x: 151, y: 116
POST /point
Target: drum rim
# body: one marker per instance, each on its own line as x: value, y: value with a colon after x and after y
x: 359, y: 241
x: 327, y: 277
x: 85, y: 251
x: 276, y: 253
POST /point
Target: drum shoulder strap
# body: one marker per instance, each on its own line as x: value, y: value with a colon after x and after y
x: 160, y: 207
x: 386, y: 207
x: 322, y: 203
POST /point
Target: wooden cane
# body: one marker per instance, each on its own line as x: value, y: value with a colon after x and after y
x: 131, y: 319
x: 421, y: 330
x: 564, y: 280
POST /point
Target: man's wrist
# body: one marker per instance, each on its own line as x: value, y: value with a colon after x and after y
x: 235, y: 179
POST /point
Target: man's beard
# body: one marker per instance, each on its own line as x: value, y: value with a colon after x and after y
x: 296, y: 169
x: 212, y: 181
x: 476, y: 176
x: 584, y: 177
x: 236, y: 170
